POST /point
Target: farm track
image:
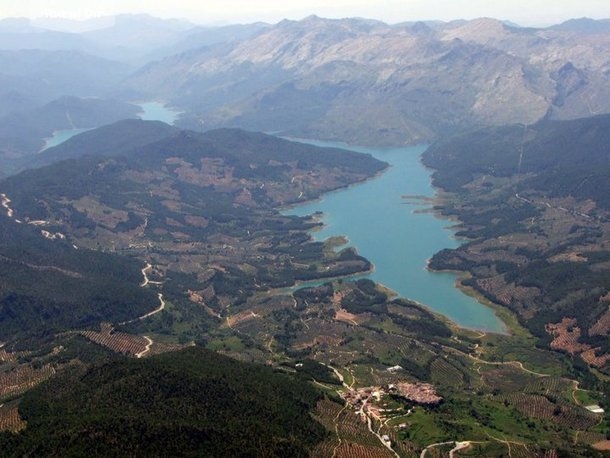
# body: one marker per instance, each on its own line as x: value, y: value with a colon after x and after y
x: 144, y: 284
x: 458, y: 446
x: 425, y: 451
x: 149, y: 314
x: 517, y: 364
x: 543, y: 203
x: 336, y: 423
x: 147, y: 349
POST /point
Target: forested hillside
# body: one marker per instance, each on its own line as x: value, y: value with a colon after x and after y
x: 191, y: 403
x: 568, y: 158
x: 202, y: 207
x: 112, y: 140
x: 535, y: 202
x: 48, y: 286
x: 23, y: 134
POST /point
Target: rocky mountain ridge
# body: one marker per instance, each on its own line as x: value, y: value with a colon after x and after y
x: 369, y: 82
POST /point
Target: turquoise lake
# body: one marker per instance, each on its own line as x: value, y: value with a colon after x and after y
x: 151, y: 111
x: 157, y: 111
x: 60, y: 136
x: 386, y: 230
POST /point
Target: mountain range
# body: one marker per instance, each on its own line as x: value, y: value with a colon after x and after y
x: 138, y: 238
x: 373, y: 83
x: 129, y: 38
x: 353, y: 80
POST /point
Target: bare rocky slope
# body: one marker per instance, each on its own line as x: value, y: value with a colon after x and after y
x: 372, y: 83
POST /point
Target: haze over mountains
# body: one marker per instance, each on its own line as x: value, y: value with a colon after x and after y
x: 354, y: 79
x: 132, y: 38
x: 138, y: 238
x: 369, y: 82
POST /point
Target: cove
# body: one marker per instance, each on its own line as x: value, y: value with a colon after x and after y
x: 60, y: 136
x: 151, y: 111
x: 390, y: 233
x: 157, y: 111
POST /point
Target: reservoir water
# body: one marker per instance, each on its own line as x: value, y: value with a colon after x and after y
x: 385, y: 229
x: 60, y: 136
x: 151, y: 111
x: 157, y: 111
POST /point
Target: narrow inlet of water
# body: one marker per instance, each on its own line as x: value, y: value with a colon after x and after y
x: 151, y: 111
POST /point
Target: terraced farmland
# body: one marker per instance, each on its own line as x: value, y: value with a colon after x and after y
x: 541, y: 407
x: 444, y: 373
x: 351, y: 436
x: 19, y: 380
x: 10, y: 420
x: 119, y: 342
x: 555, y: 386
x: 507, y: 378
x: 352, y: 450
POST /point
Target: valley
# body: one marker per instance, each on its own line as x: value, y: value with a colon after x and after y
x: 218, y: 263
x: 150, y: 111
x: 172, y: 284
x: 537, y: 231
x: 403, y: 237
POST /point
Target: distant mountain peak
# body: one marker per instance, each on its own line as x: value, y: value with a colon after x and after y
x: 584, y: 25
x: 311, y: 18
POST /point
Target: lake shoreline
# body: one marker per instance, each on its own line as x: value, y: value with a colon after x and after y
x: 149, y: 111
x: 349, y: 211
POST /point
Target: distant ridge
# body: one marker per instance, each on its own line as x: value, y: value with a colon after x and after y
x: 110, y: 140
x: 584, y: 25
x: 367, y: 82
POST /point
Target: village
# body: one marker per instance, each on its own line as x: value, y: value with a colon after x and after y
x: 376, y: 402
x: 423, y: 394
x: 381, y: 404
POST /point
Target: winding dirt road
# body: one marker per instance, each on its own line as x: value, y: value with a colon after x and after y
x: 155, y: 311
x: 147, y: 349
x: 145, y: 275
x: 424, y: 451
x: 5, y: 201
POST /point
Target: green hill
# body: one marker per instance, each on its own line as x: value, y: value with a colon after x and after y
x: 47, y: 286
x: 112, y: 140
x: 191, y: 403
x: 568, y: 158
x: 535, y: 204
x: 178, y: 201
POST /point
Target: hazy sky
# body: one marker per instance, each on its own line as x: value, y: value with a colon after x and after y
x: 525, y: 12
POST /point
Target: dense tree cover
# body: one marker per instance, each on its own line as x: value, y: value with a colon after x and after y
x: 145, y: 146
x: 191, y: 403
x: 154, y: 140
x: 365, y: 298
x: 489, y: 172
x: 308, y: 369
x: 246, y: 146
x: 47, y: 286
x: 567, y: 157
x: 425, y: 325
x: 119, y: 194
